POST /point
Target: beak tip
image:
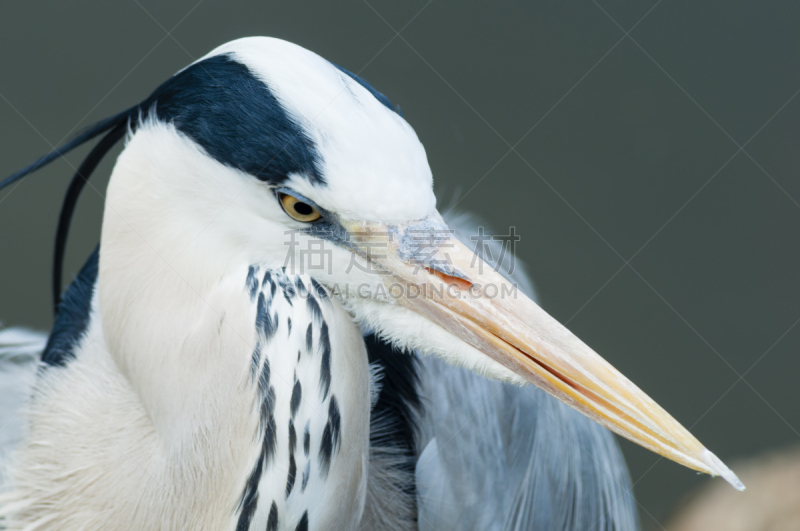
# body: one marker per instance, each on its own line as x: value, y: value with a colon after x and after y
x: 719, y: 468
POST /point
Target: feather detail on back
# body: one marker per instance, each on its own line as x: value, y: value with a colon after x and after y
x: 499, y: 457
x: 20, y: 352
x: 395, y: 407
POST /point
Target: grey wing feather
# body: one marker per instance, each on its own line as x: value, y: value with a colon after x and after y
x: 494, y: 456
x: 20, y: 352
x: 500, y: 457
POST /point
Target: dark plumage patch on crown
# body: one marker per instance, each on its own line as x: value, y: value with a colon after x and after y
x: 73, y: 316
x: 378, y: 96
x: 234, y: 116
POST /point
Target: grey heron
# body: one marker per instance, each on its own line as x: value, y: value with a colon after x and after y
x: 205, y: 370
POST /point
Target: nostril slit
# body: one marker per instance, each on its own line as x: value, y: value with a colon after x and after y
x: 460, y: 283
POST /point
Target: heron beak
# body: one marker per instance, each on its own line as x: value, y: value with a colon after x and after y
x: 433, y: 274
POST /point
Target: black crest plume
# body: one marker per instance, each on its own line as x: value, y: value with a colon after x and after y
x: 220, y: 105
x: 114, y: 129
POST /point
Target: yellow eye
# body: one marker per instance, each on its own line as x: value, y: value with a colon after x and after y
x: 297, y: 209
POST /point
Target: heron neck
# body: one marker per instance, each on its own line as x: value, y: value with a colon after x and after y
x: 169, y: 288
x: 183, y: 327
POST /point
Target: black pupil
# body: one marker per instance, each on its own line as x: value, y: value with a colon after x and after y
x: 304, y: 209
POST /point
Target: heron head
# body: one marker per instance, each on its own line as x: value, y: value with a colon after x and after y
x: 286, y: 160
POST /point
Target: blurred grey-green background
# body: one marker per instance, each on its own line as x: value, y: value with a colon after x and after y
x: 646, y: 152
